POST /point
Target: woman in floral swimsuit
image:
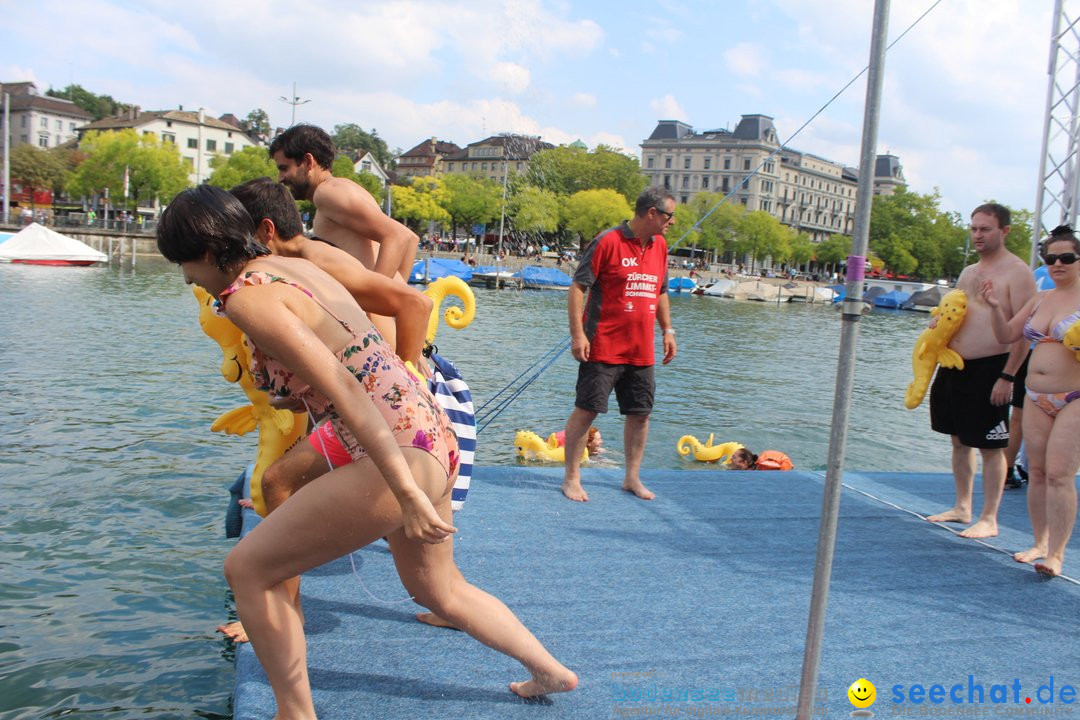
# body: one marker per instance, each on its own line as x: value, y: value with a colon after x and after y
x: 312, y: 341
x: 1051, y: 415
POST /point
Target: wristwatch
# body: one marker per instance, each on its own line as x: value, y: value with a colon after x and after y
x: 669, y: 331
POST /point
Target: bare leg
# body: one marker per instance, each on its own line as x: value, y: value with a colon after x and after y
x: 431, y: 618
x: 1037, y: 426
x: 1062, y: 462
x: 577, y: 427
x: 993, y: 484
x: 296, y: 468
x: 635, y: 433
x: 963, y: 467
x: 1016, y: 437
x: 430, y: 576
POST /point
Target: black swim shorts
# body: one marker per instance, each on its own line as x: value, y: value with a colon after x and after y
x: 960, y: 403
x: 635, y: 387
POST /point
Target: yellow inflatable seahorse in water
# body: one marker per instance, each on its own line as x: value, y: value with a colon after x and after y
x: 707, y: 452
x: 932, y: 346
x: 278, y: 429
x: 529, y: 446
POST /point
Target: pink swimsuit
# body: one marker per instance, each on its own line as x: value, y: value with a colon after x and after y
x: 409, y: 409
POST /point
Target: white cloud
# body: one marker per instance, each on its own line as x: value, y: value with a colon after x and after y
x: 745, y: 59
x: 668, y: 108
x: 510, y: 77
x: 585, y: 100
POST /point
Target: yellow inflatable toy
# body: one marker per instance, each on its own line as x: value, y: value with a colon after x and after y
x: 1071, y: 339
x: 529, y: 446
x: 455, y: 317
x: 278, y: 429
x: 707, y: 452
x: 932, y: 346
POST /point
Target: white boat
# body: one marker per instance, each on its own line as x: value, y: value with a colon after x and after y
x: 38, y: 245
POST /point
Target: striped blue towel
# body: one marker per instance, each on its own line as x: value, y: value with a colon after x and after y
x: 453, y: 395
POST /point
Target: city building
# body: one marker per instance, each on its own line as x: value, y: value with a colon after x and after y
x: 493, y: 157
x: 808, y: 193
x: 367, y: 163
x: 41, y: 120
x: 198, y: 137
x: 425, y: 159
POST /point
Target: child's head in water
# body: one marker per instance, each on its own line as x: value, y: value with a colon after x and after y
x: 594, y: 440
x: 743, y: 459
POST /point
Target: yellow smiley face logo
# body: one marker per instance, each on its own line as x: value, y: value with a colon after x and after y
x: 862, y: 693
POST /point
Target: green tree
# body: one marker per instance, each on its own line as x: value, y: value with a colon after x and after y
x: 353, y: 139
x: 759, y: 235
x: 566, y: 170
x: 419, y: 202
x: 471, y: 200
x: 587, y: 212
x: 802, y: 250
x: 719, y: 228
x: 36, y: 169
x: 343, y: 167
x: 683, y: 233
x: 99, y: 106
x: 533, y: 210
x: 258, y: 122
x: 832, y: 251
x: 245, y: 164
x: 911, y: 234
x: 155, y: 169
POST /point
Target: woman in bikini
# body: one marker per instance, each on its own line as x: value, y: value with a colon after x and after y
x: 1051, y: 417
x: 313, y: 342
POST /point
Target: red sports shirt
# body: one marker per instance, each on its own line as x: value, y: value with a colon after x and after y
x: 625, y: 279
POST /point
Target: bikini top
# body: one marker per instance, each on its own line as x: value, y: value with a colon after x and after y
x: 270, y: 375
x: 1057, y: 333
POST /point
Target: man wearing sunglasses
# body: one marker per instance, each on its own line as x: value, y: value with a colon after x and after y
x: 624, y: 272
x: 971, y: 404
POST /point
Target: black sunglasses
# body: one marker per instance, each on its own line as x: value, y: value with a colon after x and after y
x: 665, y: 213
x: 1065, y: 258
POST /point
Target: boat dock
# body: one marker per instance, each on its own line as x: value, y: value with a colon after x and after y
x: 696, y: 604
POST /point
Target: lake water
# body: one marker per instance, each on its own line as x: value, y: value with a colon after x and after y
x: 114, y: 488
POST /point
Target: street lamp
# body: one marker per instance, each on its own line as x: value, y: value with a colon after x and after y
x: 294, y: 101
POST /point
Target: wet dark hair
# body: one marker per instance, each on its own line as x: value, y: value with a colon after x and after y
x: 652, y: 197
x: 999, y: 211
x: 207, y: 219
x: 301, y: 139
x: 745, y: 455
x: 1062, y: 233
x: 264, y: 198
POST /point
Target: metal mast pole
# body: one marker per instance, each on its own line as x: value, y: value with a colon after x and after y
x: 7, y: 157
x: 845, y: 371
x: 1057, y: 199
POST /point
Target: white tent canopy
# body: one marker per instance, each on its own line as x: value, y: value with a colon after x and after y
x: 38, y: 243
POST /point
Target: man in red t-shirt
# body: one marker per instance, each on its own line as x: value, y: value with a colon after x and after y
x: 624, y: 271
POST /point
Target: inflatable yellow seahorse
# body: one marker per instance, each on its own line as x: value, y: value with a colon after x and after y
x: 455, y: 317
x: 932, y: 346
x: 707, y: 452
x: 278, y: 429
x: 529, y: 446
x: 1071, y: 339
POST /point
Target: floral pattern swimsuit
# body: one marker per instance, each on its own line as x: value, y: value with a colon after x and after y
x: 405, y: 403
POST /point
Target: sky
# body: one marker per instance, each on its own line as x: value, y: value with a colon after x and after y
x: 962, y: 105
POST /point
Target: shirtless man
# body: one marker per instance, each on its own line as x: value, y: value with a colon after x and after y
x: 346, y: 214
x: 279, y: 227
x: 972, y: 405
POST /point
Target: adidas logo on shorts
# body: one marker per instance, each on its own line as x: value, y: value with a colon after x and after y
x: 1000, y: 432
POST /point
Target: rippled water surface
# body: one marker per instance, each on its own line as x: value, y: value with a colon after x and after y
x: 114, y: 489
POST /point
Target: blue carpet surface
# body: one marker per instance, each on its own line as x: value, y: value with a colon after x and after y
x: 695, y: 604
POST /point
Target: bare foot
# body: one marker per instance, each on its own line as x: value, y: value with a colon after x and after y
x: 1050, y: 567
x: 954, y: 515
x: 981, y: 529
x: 432, y: 619
x: 573, y: 490
x: 564, y: 680
x: 638, y: 489
x: 234, y: 631
x: 1029, y: 555
x: 246, y: 503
